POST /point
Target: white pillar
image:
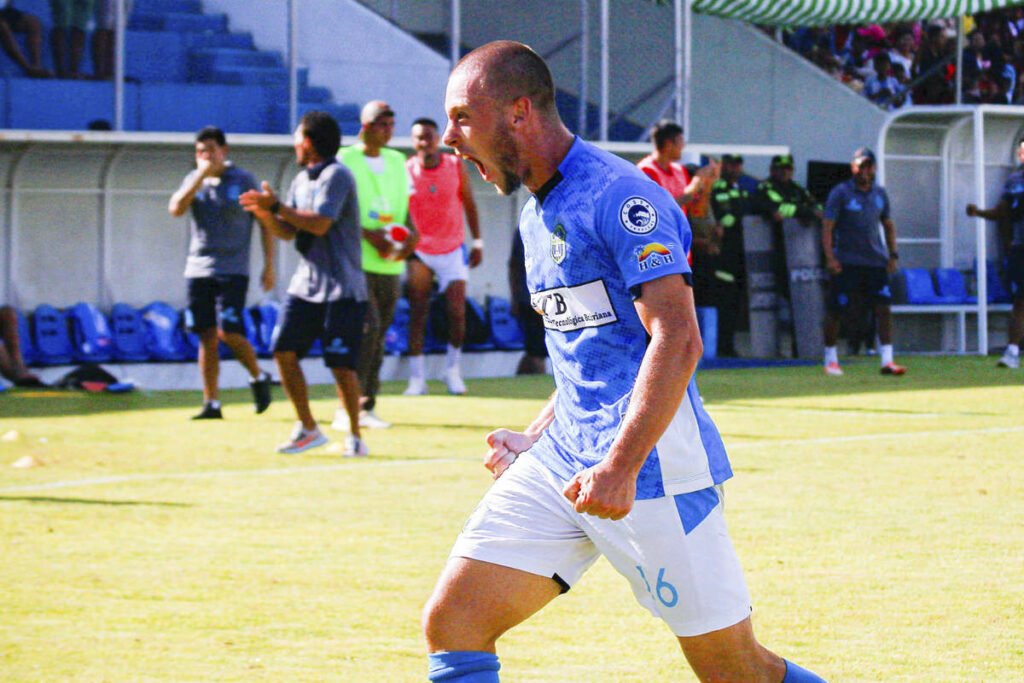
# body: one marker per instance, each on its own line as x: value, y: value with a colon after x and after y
x: 293, y: 65
x: 581, y: 124
x: 604, y: 70
x: 120, y: 21
x: 979, y: 229
x: 456, y: 33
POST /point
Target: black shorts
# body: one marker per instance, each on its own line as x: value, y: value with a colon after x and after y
x: 868, y: 285
x: 1015, y: 272
x: 207, y: 294
x: 339, y: 324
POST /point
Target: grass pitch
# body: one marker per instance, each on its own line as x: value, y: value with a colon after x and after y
x: 879, y: 521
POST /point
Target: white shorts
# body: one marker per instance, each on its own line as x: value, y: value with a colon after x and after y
x: 691, y: 580
x: 447, y: 267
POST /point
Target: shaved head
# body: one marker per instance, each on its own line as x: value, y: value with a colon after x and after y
x: 506, y: 70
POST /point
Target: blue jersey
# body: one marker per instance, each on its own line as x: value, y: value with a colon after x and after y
x: 857, y: 235
x: 592, y: 235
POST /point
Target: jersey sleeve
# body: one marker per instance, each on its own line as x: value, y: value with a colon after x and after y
x: 884, y: 215
x: 332, y: 192
x: 834, y: 203
x: 645, y: 232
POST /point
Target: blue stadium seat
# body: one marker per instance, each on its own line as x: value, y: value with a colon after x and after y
x: 52, y: 340
x: 129, y: 334
x: 164, y: 338
x: 950, y: 283
x: 91, y: 338
x: 921, y: 289
x: 396, y: 338
x: 505, y: 329
x: 478, y: 332
x: 28, y: 346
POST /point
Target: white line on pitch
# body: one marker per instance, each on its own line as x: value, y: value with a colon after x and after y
x: 99, y: 481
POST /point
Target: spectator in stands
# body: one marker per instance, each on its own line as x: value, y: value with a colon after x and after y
x: 13, y: 20
x: 67, y: 37
x: 932, y: 64
x: 903, y: 53
x: 884, y: 89
x: 217, y: 267
x: 441, y: 194
x: 383, y: 187
x: 856, y: 258
x: 1009, y: 215
x: 327, y: 293
x: 729, y: 202
x: 103, y: 43
x: 12, y: 364
x: 534, y: 358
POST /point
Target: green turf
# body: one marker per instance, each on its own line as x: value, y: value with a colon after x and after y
x: 879, y: 521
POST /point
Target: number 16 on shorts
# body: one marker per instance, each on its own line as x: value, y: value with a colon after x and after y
x: 663, y: 591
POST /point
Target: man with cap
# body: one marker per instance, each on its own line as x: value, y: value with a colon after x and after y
x: 729, y: 203
x: 857, y: 261
x: 383, y: 188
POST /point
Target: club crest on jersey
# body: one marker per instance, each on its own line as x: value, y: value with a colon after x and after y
x: 558, y: 247
x: 638, y: 216
x: 653, y: 255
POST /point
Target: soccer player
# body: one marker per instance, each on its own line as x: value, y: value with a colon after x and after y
x: 1009, y: 215
x: 857, y: 260
x: 441, y: 193
x: 623, y: 460
x: 217, y: 268
x: 327, y: 293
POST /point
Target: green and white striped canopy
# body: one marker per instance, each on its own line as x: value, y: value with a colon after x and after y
x: 833, y: 12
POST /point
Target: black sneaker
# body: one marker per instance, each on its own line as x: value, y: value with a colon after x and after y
x: 208, y: 413
x: 261, y: 392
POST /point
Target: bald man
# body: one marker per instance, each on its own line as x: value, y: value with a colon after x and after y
x: 623, y: 460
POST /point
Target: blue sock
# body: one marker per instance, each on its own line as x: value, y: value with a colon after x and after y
x: 463, y: 667
x: 796, y: 674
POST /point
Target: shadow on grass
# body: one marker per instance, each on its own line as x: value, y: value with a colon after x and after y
x: 862, y: 377
x: 89, y: 501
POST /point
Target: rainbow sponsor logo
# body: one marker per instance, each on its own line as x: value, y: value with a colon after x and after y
x: 653, y: 255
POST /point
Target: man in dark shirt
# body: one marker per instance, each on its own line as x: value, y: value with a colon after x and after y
x: 857, y: 260
x: 1009, y: 213
x: 217, y: 268
x: 729, y: 203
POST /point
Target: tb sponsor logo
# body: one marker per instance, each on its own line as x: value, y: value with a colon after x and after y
x: 574, y: 308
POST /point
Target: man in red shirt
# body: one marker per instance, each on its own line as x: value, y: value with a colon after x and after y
x: 440, y: 195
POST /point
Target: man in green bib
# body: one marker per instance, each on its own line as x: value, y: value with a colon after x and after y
x: 383, y: 188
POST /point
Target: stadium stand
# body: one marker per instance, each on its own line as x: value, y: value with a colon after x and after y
x: 175, y: 55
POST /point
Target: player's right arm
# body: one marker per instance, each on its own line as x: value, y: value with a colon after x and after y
x: 506, y: 445
x: 998, y: 212
x: 182, y: 199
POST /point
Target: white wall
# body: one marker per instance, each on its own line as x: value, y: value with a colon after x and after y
x: 353, y: 51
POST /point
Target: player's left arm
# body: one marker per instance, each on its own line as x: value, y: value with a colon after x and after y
x: 476, y: 253
x: 890, y: 241
x: 666, y: 309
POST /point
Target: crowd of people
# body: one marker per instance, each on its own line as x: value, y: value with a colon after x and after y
x: 895, y: 65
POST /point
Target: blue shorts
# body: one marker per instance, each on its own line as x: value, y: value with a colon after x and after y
x: 867, y: 285
x: 207, y: 294
x: 339, y: 324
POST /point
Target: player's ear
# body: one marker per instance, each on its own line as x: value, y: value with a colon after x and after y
x: 520, y: 110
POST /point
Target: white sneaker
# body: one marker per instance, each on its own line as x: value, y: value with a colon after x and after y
x: 417, y: 387
x: 355, y: 448
x: 833, y: 369
x: 453, y: 378
x: 369, y: 420
x: 302, y: 440
x: 340, y: 422
x: 1009, y: 361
